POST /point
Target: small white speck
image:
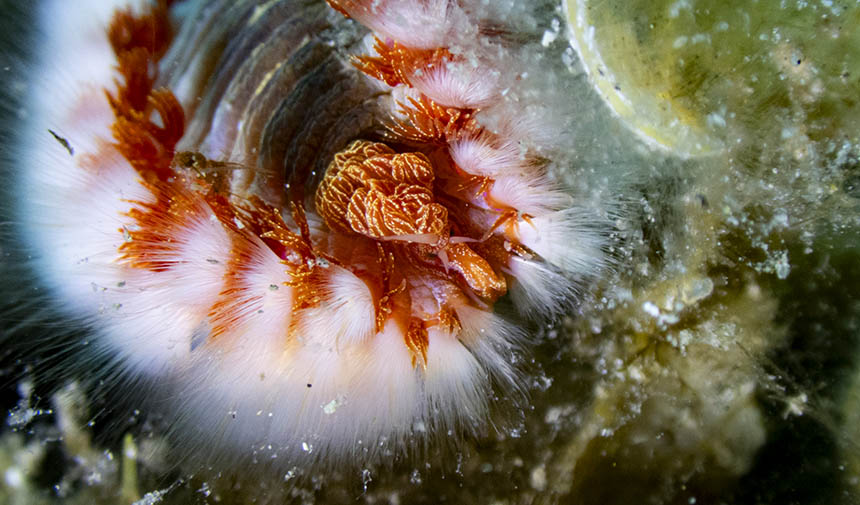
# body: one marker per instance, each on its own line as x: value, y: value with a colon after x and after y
x: 331, y: 407
x: 548, y: 38
x: 651, y: 309
x: 538, y: 478
x: 13, y: 477
x: 415, y: 477
x: 782, y: 268
x: 680, y: 42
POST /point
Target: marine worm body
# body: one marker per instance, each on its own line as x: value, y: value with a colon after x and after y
x: 295, y: 231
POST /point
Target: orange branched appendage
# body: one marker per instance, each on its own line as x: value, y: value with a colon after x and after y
x: 389, y: 198
x: 149, y: 147
x: 138, y: 43
x: 150, y: 31
x: 368, y: 190
x: 417, y: 341
x: 427, y: 122
x: 151, y: 244
x: 397, y: 64
x: 447, y: 320
x: 477, y: 271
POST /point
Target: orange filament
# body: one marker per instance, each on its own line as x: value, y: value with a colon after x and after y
x: 397, y: 64
x: 417, y: 341
x: 139, y: 42
x: 152, y: 244
x: 427, y: 122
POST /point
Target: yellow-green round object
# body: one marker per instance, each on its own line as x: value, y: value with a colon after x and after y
x: 697, y: 77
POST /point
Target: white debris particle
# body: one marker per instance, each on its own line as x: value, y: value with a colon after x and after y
x: 779, y: 221
x: 635, y: 373
x: 415, y: 477
x: 796, y: 405
x: 366, y: 477
x: 13, y: 477
x: 715, y: 119
x: 205, y: 490
x: 331, y: 407
x: 20, y: 416
x: 152, y: 497
x: 697, y: 290
x: 782, y: 267
x: 651, y: 309
x: 552, y: 415
x: 675, y: 8
x: 537, y: 479
x: 290, y: 475
x: 308, y: 448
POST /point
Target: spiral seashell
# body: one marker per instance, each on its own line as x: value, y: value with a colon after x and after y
x: 294, y: 222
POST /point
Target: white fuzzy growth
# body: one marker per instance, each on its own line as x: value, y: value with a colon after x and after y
x: 72, y: 214
x: 76, y: 66
x: 566, y: 239
x: 494, y: 342
x: 419, y: 25
x: 263, y: 302
x: 535, y: 195
x: 76, y: 209
x: 455, y: 386
x: 456, y: 84
x: 488, y: 156
x: 517, y: 182
x: 304, y: 402
x: 346, y: 316
x: 570, y: 254
x: 539, y: 289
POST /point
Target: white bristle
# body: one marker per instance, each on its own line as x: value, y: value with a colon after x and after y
x: 494, y: 342
x: 487, y: 156
x: 539, y: 288
x: 456, y: 84
x: 565, y: 239
x: 419, y: 25
x: 534, y: 195
x: 455, y: 387
x: 346, y: 316
x: 150, y: 318
x: 307, y: 403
